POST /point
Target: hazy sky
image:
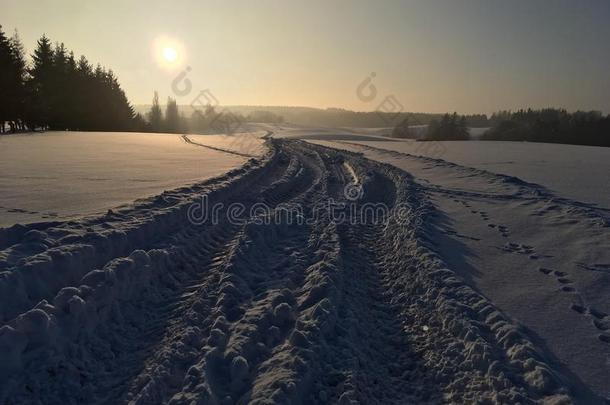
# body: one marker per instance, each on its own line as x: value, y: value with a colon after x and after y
x: 434, y: 56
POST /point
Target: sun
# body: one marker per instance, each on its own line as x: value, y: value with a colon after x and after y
x: 170, y: 54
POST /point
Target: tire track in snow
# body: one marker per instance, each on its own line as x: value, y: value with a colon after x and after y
x: 246, y: 288
x: 323, y: 312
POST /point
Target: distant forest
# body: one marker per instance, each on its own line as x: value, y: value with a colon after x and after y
x: 58, y: 92
x: 550, y: 125
x: 546, y: 125
x: 329, y: 117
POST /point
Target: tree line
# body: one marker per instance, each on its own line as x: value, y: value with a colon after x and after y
x: 210, y: 119
x: 550, y: 125
x: 329, y: 117
x: 338, y: 117
x: 56, y: 91
x: 449, y: 127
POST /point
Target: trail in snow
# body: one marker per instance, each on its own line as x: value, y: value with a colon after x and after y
x: 541, y: 258
x: 143, y: 306
x: 232, y: 152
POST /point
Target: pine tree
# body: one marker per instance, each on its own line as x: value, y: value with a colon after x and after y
x: 6, y: 79
x: 172, y: 118
x: 59, y: 89
x: 155, y: 116
x: 12, y: 94
x: 40, y: 84
x: 18, y: 86
x: 57, y: 92
x: 83, y: 98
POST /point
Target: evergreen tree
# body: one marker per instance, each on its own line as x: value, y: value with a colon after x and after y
x: 12, y: 92
x: 155, y: 116
x: 6, y: 79
x: 40, y: 84
x: 59, y: 84
x: 84, y: 102
x: 140, y: 124
x: 18, y: 93
x: 172, y: 118
x: 449, y: 128
x: 57, y: 92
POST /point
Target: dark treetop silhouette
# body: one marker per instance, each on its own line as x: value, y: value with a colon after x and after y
x: 56, y: 91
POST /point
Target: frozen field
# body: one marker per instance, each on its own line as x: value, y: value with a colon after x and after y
x: 541, y: 258
x: 399, y: 279
x: 56, y: 175
x: 578, y: 172
x: 572, y: 171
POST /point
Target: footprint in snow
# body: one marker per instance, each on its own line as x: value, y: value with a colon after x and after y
x: 600, y: 320
x: 503, y: 230
x: 561, y: 279
x: 513, y: 247
x: 544, y: 270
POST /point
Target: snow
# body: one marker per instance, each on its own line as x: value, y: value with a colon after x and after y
x: 61, y: 175
x: 542, y: 259
x: 244, y: 143
x: 476, y: 287
x: 573, y: 171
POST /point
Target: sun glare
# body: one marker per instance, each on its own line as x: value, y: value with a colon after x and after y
x: 168, y: 52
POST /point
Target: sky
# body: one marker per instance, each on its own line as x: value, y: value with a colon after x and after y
x: 469, y: 56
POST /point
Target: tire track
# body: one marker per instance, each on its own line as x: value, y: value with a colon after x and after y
x: 271, y: 311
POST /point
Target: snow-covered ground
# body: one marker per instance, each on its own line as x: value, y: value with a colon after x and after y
x: 60, y: 175
x: 401, y: 279
x: 541, y: 258
x: 578, y: 172
x: 347, y: 133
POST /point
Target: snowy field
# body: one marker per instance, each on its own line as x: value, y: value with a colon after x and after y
x: 59, y: 175
x: 578, y: 172
x: 541, y: 256
x: 572, y: 171
x: 401, y: 279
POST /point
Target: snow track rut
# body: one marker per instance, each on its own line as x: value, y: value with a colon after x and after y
x: 270, y: 306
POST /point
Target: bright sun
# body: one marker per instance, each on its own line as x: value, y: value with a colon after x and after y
x: 170, y: 54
